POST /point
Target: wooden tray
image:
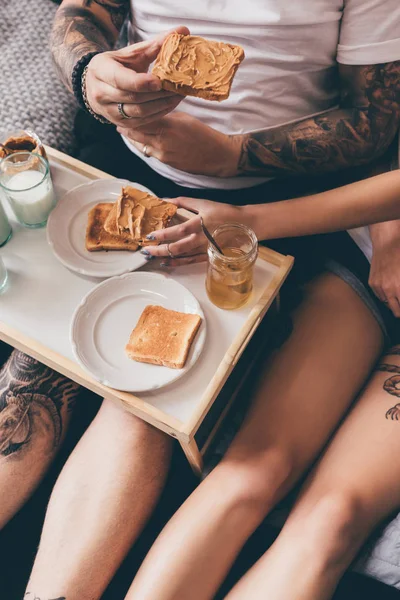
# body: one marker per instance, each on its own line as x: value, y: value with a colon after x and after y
x: 36, y: 308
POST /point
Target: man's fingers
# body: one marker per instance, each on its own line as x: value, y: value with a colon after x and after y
x: 113, y: 73
x: 111, y: 95
x: 394, y: 305
x: 177, y: 232
x: 126, y: 126
x: 378, y: 291
x: 144, y: 110
x: 147, y: 51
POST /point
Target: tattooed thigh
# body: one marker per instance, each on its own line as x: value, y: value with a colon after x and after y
x: 33, y: 400
x: 392, y: 384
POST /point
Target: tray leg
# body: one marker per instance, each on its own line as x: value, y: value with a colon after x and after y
x: 193, y: 455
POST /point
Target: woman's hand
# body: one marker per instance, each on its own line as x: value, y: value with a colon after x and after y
x: 185, y: 243
x: 184, y: 142
x: 121, y: 77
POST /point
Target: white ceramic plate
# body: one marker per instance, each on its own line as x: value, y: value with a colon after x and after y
x: 104, y: 320
x: 66, y: 231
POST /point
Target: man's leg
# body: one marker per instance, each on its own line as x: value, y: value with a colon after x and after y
x: 100, y: 503
x: 303, y: 393
x: 354, y: 487
x: 35, y: 403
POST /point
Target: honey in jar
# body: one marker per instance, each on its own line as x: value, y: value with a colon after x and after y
x: 229, y: 280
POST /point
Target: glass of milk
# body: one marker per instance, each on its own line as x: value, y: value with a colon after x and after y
x: 26, y: 182
x: 5, y: 227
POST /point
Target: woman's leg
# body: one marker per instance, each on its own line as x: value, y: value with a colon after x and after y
x: 354, y: 486
x: 99, y: 505
x: 35, y: 406
x: 307, y: 387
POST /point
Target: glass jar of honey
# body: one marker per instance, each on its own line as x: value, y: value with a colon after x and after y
x: 230, y: 275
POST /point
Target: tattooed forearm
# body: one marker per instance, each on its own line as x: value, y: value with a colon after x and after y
x: 80, y: 30
x: 392, y: 384
x: 354, y: 134
x: 32, y: 397
x: 118, y: 10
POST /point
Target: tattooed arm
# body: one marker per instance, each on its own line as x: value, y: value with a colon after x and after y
x: 359, y: 131
x: 113, y: 77
x: 34, y: 409
x: 83, y: 26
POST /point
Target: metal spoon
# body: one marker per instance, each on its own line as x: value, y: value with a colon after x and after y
x: 210, y: 237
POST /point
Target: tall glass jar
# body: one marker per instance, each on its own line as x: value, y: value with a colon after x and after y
x: 230, y: 275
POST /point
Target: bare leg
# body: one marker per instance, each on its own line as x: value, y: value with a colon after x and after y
x: 101, y: 501
x: 34, y: 412
x: 353, y: 488
x: 302, y: 396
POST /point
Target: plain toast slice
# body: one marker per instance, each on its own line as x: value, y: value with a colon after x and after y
x: 163, y: 337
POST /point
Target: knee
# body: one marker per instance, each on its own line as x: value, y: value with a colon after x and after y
x: 255, y: 483
x: 332, y: 528
x: 129, y: 427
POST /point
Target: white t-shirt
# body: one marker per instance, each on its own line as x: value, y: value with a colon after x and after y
x: 289, y: 71
x: 290, y: 68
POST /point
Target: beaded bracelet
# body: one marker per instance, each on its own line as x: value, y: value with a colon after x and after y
x: 86, y: 103
x: 76, y: 77
x: 78, y: 81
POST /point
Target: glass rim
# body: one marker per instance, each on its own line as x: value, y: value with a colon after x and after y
x: 245, y: 229
x: 44, y: 161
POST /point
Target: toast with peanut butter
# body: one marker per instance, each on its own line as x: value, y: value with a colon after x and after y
x: 97, y: 238
x: 193, y: 66
x: 137, y: 214
x: 163, y: 337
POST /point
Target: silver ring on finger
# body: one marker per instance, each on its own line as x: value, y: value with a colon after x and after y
x: 169, y: 252
x: 122, y: 111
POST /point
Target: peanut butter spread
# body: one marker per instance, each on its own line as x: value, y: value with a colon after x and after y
x: 139, y: 213
x: 20, y: 143
x: 192, y: 61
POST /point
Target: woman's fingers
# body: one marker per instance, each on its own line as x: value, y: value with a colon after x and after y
x: 186, y: 246
x: 185, y: 260
x: 176, y: 232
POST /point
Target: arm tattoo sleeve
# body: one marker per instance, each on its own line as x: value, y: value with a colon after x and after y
x: 80, y: 30
x: 361, y: 129
x: 31, y: 400
x: 392, y: 384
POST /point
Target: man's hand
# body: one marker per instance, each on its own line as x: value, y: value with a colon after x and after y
x: 121, y: 77
x: 384, y: 276
x: 185, y: 243
x: 184, y: 142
